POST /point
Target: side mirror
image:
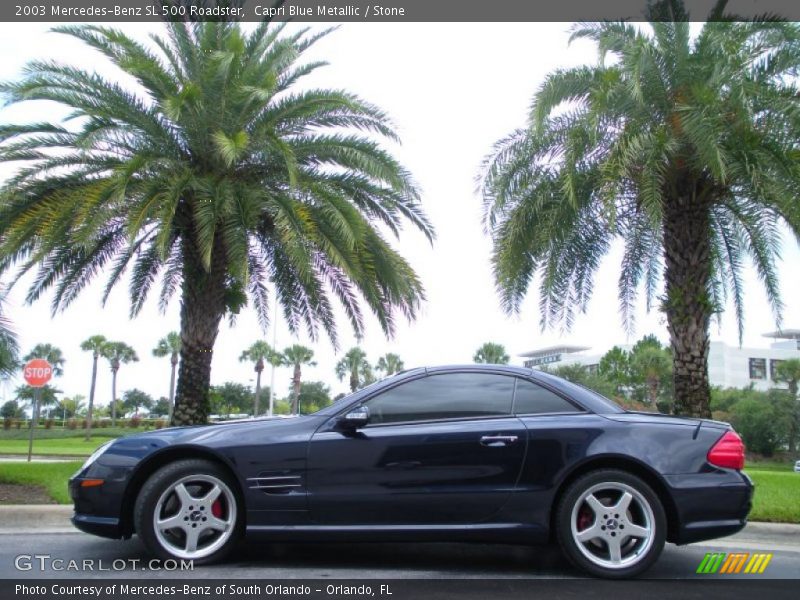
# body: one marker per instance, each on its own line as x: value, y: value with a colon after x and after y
x: 356, y: 418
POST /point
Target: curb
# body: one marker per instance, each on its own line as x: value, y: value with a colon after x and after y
x: 55, y: 518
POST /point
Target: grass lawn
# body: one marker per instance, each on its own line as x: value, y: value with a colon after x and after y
x: 58, y: 433
x: 73, y: 446
x: 777, y: 496
x: 51, y: 476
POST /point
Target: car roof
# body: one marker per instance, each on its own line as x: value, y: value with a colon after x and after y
x: 589, y: 399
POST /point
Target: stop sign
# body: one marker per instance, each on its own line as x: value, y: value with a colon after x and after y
x: 37, y: 372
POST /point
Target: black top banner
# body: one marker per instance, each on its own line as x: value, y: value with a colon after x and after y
x: 399, y: 11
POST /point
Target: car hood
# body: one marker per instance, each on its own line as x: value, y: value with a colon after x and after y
x: 207, y: 434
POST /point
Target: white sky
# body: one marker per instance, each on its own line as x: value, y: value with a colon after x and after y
x: 452, y: 90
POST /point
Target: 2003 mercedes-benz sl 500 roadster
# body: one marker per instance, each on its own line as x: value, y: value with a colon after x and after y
x: 459, y: 453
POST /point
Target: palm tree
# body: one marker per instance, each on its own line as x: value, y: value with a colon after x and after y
x: 296, y: 356
x: 94, y: 345
x: 389, y: 364
x: 170, y: 346
x: 258, y: 353
x: 683, y: 148
x: 51, y: 354
x: 355, y: 364
x: 9, y: 348
x: 214, y: 172
x: 117, y: 353
x: 491, y: 353
x: 788, y: 371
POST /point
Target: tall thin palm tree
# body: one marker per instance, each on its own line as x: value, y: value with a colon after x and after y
x: 117, y: 353
x: 354, y: 365
x: 296, y: 356
x: 389, y: 364
x: 213, y: 171
x: 170, y: 346
x: 94, y: 345
x: 491, y: 353
x: 681, y: 147
x: 259, y: 353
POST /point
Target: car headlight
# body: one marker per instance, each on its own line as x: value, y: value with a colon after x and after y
x: 96, y: 454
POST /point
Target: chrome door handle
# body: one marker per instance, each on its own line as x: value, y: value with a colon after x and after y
x: 498, y: 441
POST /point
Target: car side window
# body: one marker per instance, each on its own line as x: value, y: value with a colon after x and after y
x: 446, y: 396
x: 531, y: 399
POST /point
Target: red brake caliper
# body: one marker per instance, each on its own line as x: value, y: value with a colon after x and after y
x: 216, y: 508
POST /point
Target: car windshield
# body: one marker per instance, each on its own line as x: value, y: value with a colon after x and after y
x: 337, y: 404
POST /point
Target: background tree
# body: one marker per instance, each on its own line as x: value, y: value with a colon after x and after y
x: 651, y: 372
x: 356, y: 367
x: 48, y: 398
x: 683, y: 147
x: 491, y: 353
x: 615, y: 366
x: 313, y: 396
x: 161, y: 407
x: 134, y: 399
x: 231, y: 397
x: 296, y: 356
x: 10, y: 410
x: 117, y: 354
x: 389, y: 364
x: 72, y: 407
x: 788, y: 371
x: 55, y: 357
x: 51, y: 354
x: 94, y: 345
x: 170, y: 346
x: 213, y: 170
x: 584, y: 376
x: 258, y: 353
x: 9, y: 348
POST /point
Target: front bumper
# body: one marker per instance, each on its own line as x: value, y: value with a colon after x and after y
x: 103, y: 526
x: 710, y: 505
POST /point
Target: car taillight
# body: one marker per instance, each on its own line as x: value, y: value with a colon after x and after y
x: 728, y: 452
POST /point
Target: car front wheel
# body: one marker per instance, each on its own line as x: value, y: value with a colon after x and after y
x: 189, y: 509
x: 611, y: 524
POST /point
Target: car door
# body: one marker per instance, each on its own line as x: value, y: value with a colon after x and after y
x: 438, y: 449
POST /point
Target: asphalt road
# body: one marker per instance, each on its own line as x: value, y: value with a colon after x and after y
x: 359, y: 560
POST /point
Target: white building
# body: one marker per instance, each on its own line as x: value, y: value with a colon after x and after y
x: 728, y: 366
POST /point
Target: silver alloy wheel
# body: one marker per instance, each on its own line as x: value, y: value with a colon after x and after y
x: 613, y: 525
x: 184, y: 518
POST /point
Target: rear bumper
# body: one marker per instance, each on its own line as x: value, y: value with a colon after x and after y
x: 710, y: 505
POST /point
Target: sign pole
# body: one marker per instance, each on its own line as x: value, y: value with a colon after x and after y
x: 36, y: 392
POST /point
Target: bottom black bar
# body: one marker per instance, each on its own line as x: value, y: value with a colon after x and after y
x: 392, y: 589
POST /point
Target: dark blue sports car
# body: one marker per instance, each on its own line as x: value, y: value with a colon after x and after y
x: 467, y: 453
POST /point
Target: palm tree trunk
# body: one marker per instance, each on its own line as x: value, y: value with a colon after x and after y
x: 91, y: 399
x: 174, y: 361
x: 256, y: 407
x: 688, y: 306
x: 353, y: 380
x: 202, y: 309
x: 296, y: 386
x: 113, y: 397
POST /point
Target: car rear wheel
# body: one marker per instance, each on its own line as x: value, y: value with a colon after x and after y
x: 189, y: 509
x: 611, y: 524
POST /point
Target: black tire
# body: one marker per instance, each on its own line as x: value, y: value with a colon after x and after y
x: 648, y: 552
x: 159, y: 482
